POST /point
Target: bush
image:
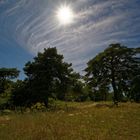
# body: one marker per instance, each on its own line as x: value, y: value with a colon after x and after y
x: 38, y: 107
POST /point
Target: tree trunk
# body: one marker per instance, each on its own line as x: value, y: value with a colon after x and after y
x: 115, y: 98
x: 46, y: 102
x: 105, y: 96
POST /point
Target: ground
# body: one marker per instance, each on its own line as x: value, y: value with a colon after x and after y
x: 75, y: 121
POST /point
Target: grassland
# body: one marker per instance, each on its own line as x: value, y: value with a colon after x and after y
x: 76, y: 121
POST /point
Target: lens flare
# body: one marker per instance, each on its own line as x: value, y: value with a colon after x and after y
x: 65, y: 15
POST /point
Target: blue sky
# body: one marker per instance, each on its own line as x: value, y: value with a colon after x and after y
x: 28, y: 26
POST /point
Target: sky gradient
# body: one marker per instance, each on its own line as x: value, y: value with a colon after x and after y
x: 28, y: 26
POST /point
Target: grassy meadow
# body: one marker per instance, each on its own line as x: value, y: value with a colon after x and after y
x: 74, y: 121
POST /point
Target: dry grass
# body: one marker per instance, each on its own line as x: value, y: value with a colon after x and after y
x: 86, y: 121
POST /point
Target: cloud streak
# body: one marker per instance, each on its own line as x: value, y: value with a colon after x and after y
x: 32, y: 24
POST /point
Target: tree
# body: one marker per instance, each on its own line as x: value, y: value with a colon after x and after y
x: 47, y: 75
x: 116, y: 65
x: 6, y: 74
x: 20, y: 94
x: 78, y: 92
x: 135, y: 89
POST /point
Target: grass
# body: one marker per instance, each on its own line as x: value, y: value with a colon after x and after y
x: 77, y: 121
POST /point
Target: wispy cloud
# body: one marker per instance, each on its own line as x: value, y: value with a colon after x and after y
x: 33, y: 26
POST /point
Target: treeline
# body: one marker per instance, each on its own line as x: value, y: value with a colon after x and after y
x: 113, y: 74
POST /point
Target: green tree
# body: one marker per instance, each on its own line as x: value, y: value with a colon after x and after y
x: 47, y: 75
x: 135, y: 89
x: 20, y: 94
x: 116, y: 65
x: 78, y: 91
x: 7, y: 74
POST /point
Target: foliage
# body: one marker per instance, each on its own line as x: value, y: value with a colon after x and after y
x: 6, y: 74
x: 47, y: 76
x: 115, y: 70
x: 76, y: 93
x: 38, y: 107
x: 115, y: 66
x: 135, y: 89
x: 20, y: 94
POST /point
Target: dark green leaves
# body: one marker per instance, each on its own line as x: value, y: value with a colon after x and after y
x: 116, y: 65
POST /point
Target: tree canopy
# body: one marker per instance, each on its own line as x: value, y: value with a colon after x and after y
x: 115, y: 70
x: 116, y: 66
x: 7, y: 74
x: 47, y: 76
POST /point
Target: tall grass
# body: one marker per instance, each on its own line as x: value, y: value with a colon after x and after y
x: 77, y: 121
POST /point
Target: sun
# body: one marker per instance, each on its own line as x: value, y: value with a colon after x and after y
x: 65, y: 15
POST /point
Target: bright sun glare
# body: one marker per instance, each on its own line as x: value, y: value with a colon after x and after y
x: 65, y: 15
